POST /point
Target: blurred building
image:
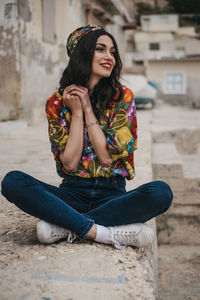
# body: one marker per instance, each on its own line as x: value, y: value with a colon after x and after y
x: 167, y: 54
x: 33, y: 35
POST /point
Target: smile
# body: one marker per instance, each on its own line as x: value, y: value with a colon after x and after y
x: 107, y: 66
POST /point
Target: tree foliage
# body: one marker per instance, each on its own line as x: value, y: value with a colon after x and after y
x: 147, y: 9
x: 173, y: 6
x: 184, y: 6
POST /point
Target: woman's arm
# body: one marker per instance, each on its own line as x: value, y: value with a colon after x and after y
x: 96, y: 135
x: 71, y: 155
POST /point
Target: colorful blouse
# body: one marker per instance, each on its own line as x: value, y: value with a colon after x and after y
x: 119, y: 125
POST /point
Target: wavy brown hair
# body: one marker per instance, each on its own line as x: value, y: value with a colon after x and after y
x: 79, y: 67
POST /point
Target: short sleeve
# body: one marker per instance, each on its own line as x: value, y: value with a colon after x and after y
x: 121, y: 135
x: 58, y: 124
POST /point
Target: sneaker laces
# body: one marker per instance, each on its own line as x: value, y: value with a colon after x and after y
x: 62, y: 233
x: 71, y: 237
x: 126, y: 238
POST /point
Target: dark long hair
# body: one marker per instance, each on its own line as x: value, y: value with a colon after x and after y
x: 79, y: 67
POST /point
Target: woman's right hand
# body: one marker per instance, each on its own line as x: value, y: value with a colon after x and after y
x: 72, y: 101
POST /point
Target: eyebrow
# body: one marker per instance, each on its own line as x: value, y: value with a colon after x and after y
x: 105, y: 45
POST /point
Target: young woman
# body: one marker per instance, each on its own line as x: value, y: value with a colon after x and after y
x: 92, y: 130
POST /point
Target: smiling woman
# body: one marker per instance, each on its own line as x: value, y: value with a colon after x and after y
x: 93, y: 135
x: 103, y: 60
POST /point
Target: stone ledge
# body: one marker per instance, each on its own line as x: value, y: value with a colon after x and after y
x: 164, y: 153
x: 83, y: 269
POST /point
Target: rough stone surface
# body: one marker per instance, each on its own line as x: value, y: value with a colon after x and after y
x: 9, y: 61
x: 176, y: 129
x: 82, y: 270
x: 164, y: 153
x: 179, y: 272
x: 179, y: 228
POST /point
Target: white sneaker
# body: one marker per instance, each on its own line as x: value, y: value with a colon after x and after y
x: 48, y: 233
x: 136, y: 234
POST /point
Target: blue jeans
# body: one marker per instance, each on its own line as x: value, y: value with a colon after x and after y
x: 78, y: 203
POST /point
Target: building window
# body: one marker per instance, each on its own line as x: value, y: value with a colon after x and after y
x: 181, y: 51
x: 138, y: 62
x: 48, y: 21
x: 174, y: 83
x: 154, y: 46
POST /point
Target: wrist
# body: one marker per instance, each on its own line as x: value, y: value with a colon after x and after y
x: 77, y: 113
x: 91, y: 124
x: 88, y: 109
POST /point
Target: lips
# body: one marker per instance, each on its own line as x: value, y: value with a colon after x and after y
x: 107, y: 66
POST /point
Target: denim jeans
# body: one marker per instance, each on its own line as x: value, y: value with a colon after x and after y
x: 78, y: 203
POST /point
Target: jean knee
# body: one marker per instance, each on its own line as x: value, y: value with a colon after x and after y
x: 9, y: 180
x: 167, y: 195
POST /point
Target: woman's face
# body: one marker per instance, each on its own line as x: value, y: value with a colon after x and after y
x: 104, y: 58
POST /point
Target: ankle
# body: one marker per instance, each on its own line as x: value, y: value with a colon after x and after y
x: 92, y: 232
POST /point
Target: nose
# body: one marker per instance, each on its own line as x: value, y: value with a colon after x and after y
x: 108, y: 55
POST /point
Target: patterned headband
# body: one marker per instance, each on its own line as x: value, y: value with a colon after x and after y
x: 77, y: 34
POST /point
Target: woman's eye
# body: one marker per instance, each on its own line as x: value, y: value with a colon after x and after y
x: 102, y: 49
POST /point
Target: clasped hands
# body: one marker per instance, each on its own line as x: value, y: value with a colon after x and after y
x: 77, y: 98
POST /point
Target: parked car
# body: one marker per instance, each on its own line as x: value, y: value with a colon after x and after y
x: 145, y: 91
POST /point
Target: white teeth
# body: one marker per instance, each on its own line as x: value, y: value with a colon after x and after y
x: 107, y: 65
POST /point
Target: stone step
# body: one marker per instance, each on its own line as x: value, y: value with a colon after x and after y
x: 185, y: 191
x: 166, y: 161
x: 165, y: 153
x: 179, y: 272
x: 179, y: 226
x: 185, y: 165
x: 191, y: 166
x: 188, y: 192
x: 181, y: 172
x: 180, y: 138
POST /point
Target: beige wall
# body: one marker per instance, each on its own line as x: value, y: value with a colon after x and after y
x: 159, y: 22
x: 31, y: 67
x: 170, y: 45
x: 156, y: 69
x: 9, y: 61
x: 42, y: 63
x: 155, y: 72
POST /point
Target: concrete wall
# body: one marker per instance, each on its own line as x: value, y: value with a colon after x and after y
x: 187, y: 30
x: 159, y: 22
x: 170, y: 45
x: 42, y: 63
x: 9, y: 61
x: 30, y: 66
x: 156, y: 70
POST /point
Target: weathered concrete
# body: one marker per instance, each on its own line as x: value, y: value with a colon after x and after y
x: 176, y: 160
x: 9, y: 61
x: 179, y: 271
x: 82, y: 270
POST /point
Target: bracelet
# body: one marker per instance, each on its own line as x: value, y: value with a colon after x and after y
x: 91, y: 124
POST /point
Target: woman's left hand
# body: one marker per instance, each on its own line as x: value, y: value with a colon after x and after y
x: 82, y: 93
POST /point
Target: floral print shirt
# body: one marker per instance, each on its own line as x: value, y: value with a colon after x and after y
x: 119, y: 125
